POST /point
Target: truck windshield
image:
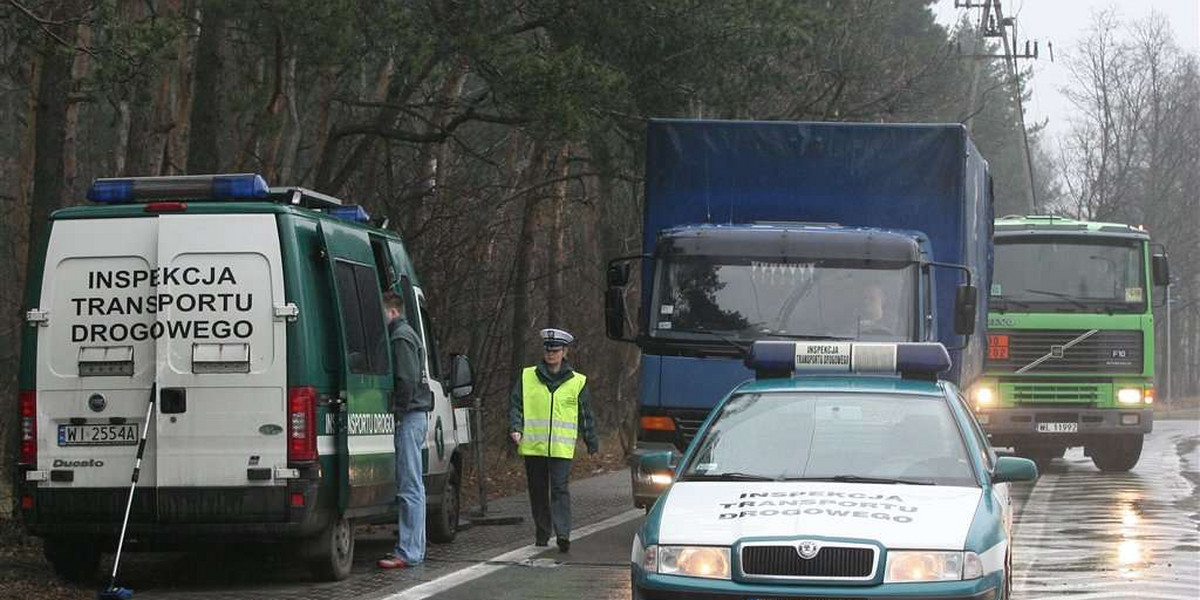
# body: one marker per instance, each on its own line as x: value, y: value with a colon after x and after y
x: 1060, y: 274
x: 834, y: 436
x: 753, y: 298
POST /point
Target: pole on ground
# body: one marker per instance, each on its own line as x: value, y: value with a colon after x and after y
x: 480, y: 515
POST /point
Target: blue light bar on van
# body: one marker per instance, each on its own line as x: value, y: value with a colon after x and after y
x: 350, y: 212
x: 778, y: 358
x: 239, y: 186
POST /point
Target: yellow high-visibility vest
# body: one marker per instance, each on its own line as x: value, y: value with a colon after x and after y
x: 551, y: 419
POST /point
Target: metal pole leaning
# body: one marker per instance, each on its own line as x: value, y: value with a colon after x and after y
x: 480, y: 516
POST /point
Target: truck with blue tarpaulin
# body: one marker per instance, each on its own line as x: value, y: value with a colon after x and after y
x: 791, y: 230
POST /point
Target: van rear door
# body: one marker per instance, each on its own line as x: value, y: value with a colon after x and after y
x: 222, y: 366
x: 95, y: 357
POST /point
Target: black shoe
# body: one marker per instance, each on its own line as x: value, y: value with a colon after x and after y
x: 541, y: 543
x: 564, y: 545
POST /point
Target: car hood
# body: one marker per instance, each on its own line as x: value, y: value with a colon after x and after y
x: 896, y: 516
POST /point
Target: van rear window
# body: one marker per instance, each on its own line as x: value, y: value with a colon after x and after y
x: 362, y: 317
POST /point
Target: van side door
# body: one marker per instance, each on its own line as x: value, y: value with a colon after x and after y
x: 365, y: 369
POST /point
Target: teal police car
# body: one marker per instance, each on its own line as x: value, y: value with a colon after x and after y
x: 844, y: 470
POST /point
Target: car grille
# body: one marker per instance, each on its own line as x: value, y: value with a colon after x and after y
x: 849, y: 562
x: 1115, y: 351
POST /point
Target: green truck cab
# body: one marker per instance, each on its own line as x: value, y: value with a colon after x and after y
x: 1071, y: 339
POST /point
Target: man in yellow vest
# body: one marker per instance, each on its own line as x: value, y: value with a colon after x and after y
x: 548, y: 409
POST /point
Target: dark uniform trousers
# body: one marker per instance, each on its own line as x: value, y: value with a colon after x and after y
x: 549, y: 495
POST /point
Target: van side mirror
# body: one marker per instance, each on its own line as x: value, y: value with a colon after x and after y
x: 462, y: 383
x: 964, y: 309
x: 1160, y: 270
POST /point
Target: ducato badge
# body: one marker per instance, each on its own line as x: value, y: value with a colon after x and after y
x: 808, y: 549
x: 96, y: 402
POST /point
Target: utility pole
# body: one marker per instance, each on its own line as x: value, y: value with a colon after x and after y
x: 993, y: 23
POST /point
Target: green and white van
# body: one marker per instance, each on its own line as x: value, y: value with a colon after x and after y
x: 255, y: 315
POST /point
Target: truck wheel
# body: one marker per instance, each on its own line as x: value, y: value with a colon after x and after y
x: 331, y: 552
x: 73, y: 560
x: 442, y: 520
x: 1119, y: 454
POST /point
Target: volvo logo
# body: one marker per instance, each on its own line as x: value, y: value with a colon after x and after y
x: 96, y: 402
x: 808, y: 549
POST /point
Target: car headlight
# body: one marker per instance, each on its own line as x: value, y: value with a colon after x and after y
x: 1129, y: 396
x: 693, y: 561
x: 912, y: 566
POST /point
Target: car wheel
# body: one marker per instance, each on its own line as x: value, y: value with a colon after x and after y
x: 442, y: 520
x: 73, y: 560
x: 331, y: 552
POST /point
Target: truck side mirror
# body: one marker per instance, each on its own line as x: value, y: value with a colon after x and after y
x: 614, y: 312
x: 618, y: 274
x: 1160, y: 269
x: 462, y: 383
x: 964, y: 309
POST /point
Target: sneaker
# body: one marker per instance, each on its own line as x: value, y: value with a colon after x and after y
x: 564, y: 545
x: 391, y: 561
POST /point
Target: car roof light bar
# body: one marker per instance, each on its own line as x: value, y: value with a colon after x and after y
x: 769, y: 358
x: 126, y: 190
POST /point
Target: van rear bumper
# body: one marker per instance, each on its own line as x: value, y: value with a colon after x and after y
x: 165, y: 516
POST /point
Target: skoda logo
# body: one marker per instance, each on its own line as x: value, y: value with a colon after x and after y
x: 96, y: 402
x: 808, y: 549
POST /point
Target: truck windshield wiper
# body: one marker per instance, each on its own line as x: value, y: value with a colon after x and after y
x: 730, y: 476
x: 1005, y: 302
x: 1062, y: 296
x: 805, y: 336
x: 862, y: 479
x: 743, y: 349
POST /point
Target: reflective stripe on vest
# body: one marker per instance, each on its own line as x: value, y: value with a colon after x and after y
x: 551, y: 419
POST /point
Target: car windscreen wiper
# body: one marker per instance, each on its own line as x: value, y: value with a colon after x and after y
x: 862, y: 479
x: 730, y: 476
x: 1061, y: 296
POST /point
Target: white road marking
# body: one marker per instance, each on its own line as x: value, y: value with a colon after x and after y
x: 474, y: 572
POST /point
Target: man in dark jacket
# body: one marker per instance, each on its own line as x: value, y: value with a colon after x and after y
x: 549, y: 406
x: 411, y: 402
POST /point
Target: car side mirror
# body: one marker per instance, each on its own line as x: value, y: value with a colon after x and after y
x: 1012, y: 468
x: 462, y: 383
x: 964, y: 309
x: 1160, y: 269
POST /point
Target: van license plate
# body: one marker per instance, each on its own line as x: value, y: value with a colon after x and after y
x: 1058, y: 427
x: 125, y: 434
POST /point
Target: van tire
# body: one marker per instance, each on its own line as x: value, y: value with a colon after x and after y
x: 74, y: 560
x: 442, y: 520
x: 331, y: 552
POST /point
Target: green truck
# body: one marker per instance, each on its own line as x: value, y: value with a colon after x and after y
x: 1071, y: 339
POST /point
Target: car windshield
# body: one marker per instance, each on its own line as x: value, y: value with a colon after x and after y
x: 753, y: 298
x: 858, y: 436
x: 1068, y: 274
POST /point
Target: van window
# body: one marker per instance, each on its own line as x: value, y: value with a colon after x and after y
x: 431, y: 350
x: 362, y: 316
x: 383, y: 264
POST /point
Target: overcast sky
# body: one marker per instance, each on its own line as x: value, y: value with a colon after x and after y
x: 1064, y: 22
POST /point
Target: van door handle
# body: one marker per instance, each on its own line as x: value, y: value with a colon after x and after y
x: 172, y: 401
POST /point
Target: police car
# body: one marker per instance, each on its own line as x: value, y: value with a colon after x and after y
x: 868, y: 479
x: 254, y: 315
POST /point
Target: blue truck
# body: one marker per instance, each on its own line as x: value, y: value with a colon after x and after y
x: 787, y: 230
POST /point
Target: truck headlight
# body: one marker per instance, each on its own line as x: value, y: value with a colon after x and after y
x: 983, y: 396
x: 693, y: 561
x: 913, y: 566
x: 1129, y: 396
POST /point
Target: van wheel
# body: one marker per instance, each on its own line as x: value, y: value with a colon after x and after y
x: 442, y: 520
x: 331, y: 552
x: 1119, y: 454
x: 74, y: 560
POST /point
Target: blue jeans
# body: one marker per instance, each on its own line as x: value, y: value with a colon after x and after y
x: 411, y: 428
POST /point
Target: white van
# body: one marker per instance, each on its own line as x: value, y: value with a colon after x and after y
x: 255, y: 315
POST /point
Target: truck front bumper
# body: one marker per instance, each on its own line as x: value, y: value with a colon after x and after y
x: 1006, y: 425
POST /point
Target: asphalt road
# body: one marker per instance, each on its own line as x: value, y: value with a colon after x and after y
x: 1080, y: 534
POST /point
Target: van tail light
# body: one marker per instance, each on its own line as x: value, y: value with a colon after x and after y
x: 302, y: 425
x: 27, y: 400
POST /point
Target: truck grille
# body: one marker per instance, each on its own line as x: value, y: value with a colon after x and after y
x: 1114, y: 351
x: 688, y: 425
x: 848, y: 562
x: 1081, y: 393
